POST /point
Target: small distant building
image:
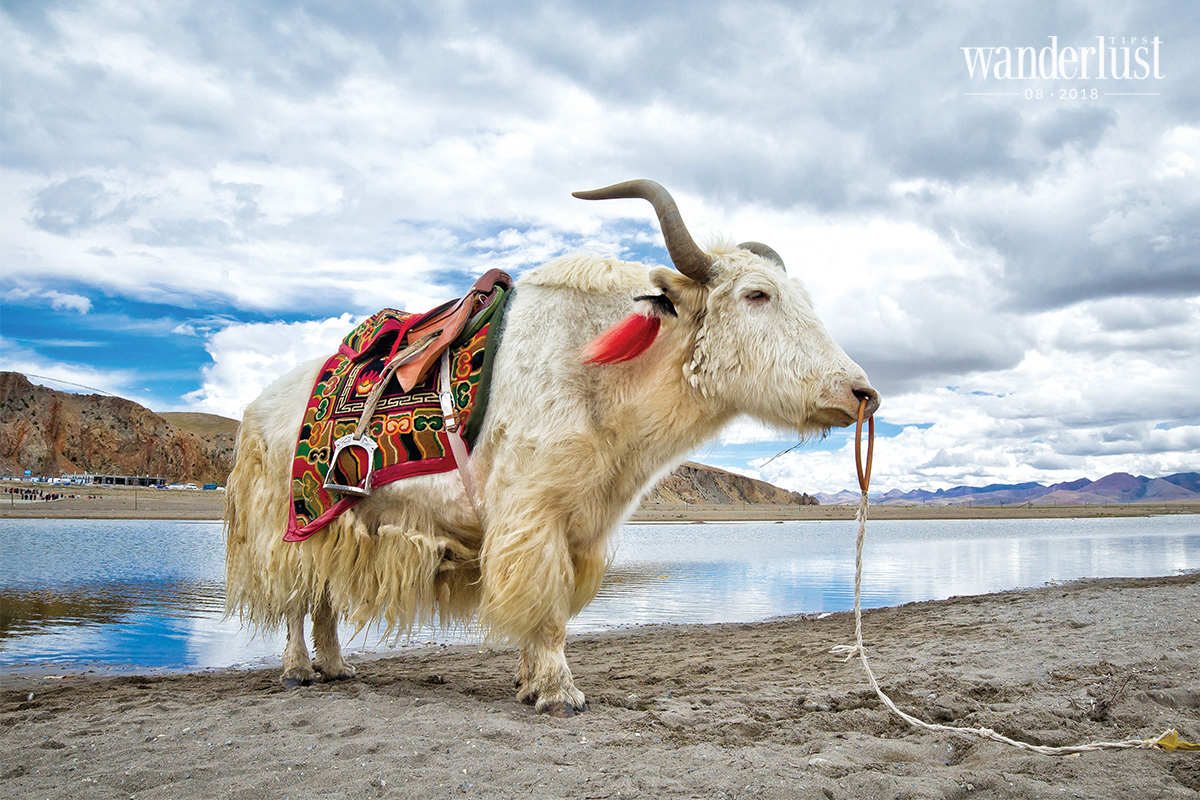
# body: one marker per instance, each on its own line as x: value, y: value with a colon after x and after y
x: 89, y: 479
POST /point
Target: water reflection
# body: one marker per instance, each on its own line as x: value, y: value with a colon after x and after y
x: 149, y: 594
x: 25, y: 612
x: 731, y: 573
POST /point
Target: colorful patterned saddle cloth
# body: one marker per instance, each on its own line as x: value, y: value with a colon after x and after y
x: 407, y: 430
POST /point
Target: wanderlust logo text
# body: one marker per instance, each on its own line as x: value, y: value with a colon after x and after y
x: 1115, y: 57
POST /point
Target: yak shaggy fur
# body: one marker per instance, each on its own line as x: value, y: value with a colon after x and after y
x: 564, y: 456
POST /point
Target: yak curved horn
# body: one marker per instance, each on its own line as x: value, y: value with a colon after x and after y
x: 686, y: 255
x: 760, y: 249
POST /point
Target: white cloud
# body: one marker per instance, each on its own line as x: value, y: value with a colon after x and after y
x: 74, y: 302
x: 52, y: 297
x: 63, y: 375
x: 249, y: 357
x: 1040, y: 259
x: 281, y: 194
x: 1090, y: 397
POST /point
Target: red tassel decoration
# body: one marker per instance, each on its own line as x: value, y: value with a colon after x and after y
x: 628, y: 339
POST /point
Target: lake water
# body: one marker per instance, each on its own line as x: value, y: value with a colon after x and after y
x: 115, y: 595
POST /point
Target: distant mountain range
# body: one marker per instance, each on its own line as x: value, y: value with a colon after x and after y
x: 1119, y: 487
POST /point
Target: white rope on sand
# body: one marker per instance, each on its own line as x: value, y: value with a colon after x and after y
x: 1166, y: 741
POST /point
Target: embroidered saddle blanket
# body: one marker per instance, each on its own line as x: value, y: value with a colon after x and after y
x: 407, y: 429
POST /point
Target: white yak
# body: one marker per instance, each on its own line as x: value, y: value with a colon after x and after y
x: 566, y: 451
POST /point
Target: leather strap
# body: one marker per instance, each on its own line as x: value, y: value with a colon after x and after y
x: 457, y: 446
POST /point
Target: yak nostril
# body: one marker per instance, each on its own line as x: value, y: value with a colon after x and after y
x: 868, y: 394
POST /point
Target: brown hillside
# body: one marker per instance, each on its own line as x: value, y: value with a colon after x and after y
x: 204, y: 425
x: 51, y: 433
x: 693, y: 484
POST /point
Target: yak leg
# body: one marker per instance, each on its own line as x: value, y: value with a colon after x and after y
x: 528, y: 585
x: 543, y: 678
x: 329, y: 661
x: 297, y: 668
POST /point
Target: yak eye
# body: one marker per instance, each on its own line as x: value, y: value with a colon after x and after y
x: 757, y: 297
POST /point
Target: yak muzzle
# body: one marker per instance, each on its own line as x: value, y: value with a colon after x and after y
x: 838, y: 404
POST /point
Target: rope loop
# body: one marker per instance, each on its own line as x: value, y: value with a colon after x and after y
x: 1167, y: 740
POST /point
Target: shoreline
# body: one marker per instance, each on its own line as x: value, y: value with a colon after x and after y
x: 32, y: 675
x: 764, y: 513
x: 122, y: 502
x: 748, y: 710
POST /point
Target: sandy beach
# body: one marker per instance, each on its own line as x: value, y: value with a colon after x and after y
x: 747, y: 710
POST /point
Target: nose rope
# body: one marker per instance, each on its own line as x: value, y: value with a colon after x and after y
x: 864, y: 476
x: 1168, y: 740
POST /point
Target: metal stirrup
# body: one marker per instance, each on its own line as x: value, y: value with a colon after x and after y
x: 359, y: 437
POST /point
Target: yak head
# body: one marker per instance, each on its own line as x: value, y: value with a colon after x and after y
x: 756, y: 345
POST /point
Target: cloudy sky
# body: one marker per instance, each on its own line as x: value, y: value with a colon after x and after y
x: 198, y: 195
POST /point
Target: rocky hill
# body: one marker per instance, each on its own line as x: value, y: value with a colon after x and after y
x: 51, y: 433
x: 701, y: 484
x: 1119, y: 487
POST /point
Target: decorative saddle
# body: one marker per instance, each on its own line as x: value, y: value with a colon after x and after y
x: 405, y: 394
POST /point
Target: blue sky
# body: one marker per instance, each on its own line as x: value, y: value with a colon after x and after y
x: 197, y: 196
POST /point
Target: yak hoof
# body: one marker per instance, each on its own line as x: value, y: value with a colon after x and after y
x: 525, y: 693
x: 344, y: 673
x: 562, y: 709
x: 295, y: 683
x: 297, y: 677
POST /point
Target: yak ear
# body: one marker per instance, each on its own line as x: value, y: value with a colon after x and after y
x: 624, y: 341
x: 689, y: 298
